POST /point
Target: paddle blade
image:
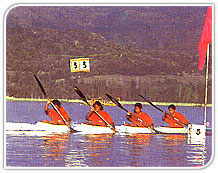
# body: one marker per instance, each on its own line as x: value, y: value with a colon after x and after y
x: 147, y: 99
x: 40, y: 85
x: 115, y: 101
x: 79, y: 92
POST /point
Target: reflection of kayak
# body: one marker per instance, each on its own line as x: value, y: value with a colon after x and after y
x: 89, y: 129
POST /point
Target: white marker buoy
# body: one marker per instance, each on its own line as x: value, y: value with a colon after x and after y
x: 196, y: 131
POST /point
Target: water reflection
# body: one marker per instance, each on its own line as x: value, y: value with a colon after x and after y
x: 196, y: 152
x: 54, y: 146
x: 139, y: 139
x: 174, y: 139
x: 92, y: 150
x: 136, y: 149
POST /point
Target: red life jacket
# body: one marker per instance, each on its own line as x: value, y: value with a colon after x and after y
x: 94, y: 119
x: 178, y: 120
x: 56, y: 118
x: 140, y: 119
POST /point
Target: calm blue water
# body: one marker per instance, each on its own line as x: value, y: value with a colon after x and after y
x: 71, y: 150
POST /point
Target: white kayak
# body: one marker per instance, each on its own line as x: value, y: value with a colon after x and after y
x: 159, y: 129
x: 38, y: 129
x: 193, y: 130
x: 39, y: 126
x: 90, y: 129
x: 172, y: 130
x: 82, y: 128
x: 129, y: 129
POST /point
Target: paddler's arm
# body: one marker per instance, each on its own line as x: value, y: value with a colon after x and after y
x: 146, y: 124
x: 113, y: 125
x: 186, y: 123
x: 133, y: 119
x: 89, y: 115
x: 166, y: 116
x: 68, y: 120
x: 169, y: 116
x: 129, y: 116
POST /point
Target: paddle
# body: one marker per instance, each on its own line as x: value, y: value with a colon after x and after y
x: 83, y: 97
x: 116, y: 102
x: 54, y: 107
x: 147, y: 99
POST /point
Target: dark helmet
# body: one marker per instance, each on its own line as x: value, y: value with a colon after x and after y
x: 56, y: 102
x: 172, y: 107
x: 138, y: 105
x: 99, y: 104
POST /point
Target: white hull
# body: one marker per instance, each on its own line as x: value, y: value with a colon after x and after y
x: 129, y: 129
x: 46, y: 128
x: 89, y: 129
x: 171, y: 130
x: 38, y: 129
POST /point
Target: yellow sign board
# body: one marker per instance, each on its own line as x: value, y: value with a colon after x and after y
x: 79, y: 65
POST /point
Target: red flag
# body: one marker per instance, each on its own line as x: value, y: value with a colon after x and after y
x: 206, y: 38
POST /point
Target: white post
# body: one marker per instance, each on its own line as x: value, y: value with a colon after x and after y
x: 206, y: 84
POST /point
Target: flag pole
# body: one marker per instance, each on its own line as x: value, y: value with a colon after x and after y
x: 206, y: 84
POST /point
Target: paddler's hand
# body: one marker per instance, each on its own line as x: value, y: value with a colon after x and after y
x: 129, y: 113
x: 67, y: 123
x: 92, y: 109
x: 165, y: 116
x: 49, y: 101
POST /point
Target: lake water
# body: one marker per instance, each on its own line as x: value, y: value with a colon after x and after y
x: 76, y: 150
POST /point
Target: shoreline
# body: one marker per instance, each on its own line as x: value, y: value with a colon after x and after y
x: 122, y: 102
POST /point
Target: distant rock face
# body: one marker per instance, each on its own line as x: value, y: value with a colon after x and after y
x: 122, y: 41
x: 171, y: 28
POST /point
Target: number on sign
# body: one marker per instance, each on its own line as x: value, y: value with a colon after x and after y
x: 84, y: 64
x: 80, y: 65
x: 75, y: 65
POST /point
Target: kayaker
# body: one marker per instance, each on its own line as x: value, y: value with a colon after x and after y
x: 94, y: 119
x: 139, y: 118
x: 175, y: 119
x: 55, y: 117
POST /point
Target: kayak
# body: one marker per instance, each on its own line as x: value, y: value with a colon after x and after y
x: 41, y: 128
x: 194, y: 130
x: 91, y: 129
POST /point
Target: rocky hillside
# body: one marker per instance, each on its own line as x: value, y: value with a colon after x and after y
x: 133, y: 50
x: 45, y: 52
